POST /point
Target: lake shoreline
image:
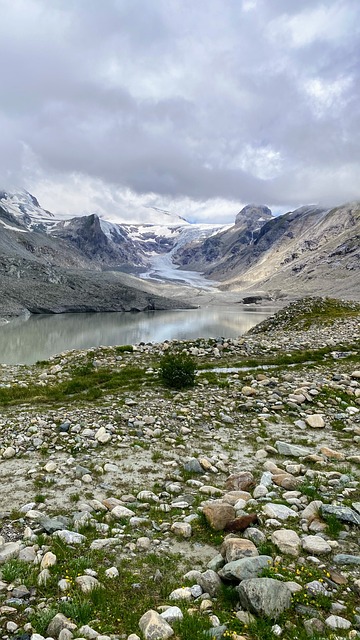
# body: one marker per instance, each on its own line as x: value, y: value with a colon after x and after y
x: 40, y: 336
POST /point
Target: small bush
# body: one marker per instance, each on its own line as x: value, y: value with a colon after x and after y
x: 177, y: 370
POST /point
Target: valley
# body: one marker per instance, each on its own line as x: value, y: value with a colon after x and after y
x: 57, y: 265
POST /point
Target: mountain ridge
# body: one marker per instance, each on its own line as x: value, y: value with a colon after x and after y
x: 307, y: 250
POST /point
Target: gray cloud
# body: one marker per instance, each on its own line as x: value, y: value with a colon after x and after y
x: 181, y: 104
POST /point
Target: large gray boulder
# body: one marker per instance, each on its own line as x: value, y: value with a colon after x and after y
x: 341, y: 513
x: 264, y: 596
x: 245, y: 568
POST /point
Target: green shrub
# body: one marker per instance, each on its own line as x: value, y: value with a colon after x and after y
x: 177, y: 370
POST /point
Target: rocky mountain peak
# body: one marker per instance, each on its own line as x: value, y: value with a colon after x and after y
x: 253, y: 213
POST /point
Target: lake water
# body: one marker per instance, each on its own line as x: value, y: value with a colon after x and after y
x: 41, y: 336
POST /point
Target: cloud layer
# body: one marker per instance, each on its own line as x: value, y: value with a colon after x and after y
x: 198, y: 107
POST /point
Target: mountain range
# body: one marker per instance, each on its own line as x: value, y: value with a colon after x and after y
x: 53, y: 264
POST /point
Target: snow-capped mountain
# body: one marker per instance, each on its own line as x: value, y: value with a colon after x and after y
x: 27, y: 210
x: 101, y: 242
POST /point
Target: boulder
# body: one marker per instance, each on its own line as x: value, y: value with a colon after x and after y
x: 287, y: 541
x: 242, y: 481
x: 245, y: 568
x: 315, y: 545
x: 342, y: 513
x: 235, y: 548
x: 218, y: 514
x: 264, y: 596
x: 288, y: 449
x: 154, y: 627
x: 316, y: 421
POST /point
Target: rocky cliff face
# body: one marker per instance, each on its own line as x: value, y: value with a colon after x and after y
x: 216, y: 249
x: 111, y: 246
x: 51, y: 266
x: 310, y: 250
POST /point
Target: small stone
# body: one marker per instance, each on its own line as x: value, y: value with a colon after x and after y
x: 287, y: 541
x: 218, y: 514
x: 337, y: 622
x: 183, y: 593
x: 236, y: 548
x: 346, y: 558
x: 181, y: 529
x: 70, y: 537
x: 210, y: 582
x: 8, y: 551
x: 143, y: 543
x: 64, y: 585
x: 316, y: 421
x: 332, y: 454
x: 50, y: 467
x: 314, y: 626
x: 87, y: 632
x: 172, y: 614
x: 112, y: 572
x: 245, y: 568
x: 43, y: 577
x: 240, y: 481
x: 58, y: 623
x: 87, y: 583
x: 102, y: 435
x: 65, y: 634
x: 288, y: 449
x: 279, y: 511
x: 315, y: 545
x: 119, y: 512
x: 154, y: 627
x: 8, y: 453
x: 341, y: 513
x: 48, y: 560
x: 242, y: 522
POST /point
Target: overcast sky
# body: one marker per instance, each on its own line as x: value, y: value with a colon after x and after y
x: 195, y: 106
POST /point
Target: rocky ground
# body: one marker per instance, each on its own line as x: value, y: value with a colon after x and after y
x: 230, y: 509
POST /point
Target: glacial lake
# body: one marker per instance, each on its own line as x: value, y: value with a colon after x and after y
x: 41, y: 336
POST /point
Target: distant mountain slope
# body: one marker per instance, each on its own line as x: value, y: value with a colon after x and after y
x: 229, y: 241
x: 52, y: 266
x: 308, y: 250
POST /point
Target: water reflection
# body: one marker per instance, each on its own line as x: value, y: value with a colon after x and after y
x: 40, y: 336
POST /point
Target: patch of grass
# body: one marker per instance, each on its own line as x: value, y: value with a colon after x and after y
x: 333, y: 525
x: 311, y: 488
x: 14, y: 570
x: 267, y: 548
x: 79, y: 608
x: 87, y: 383
x: 40, y: 620
x: 203, y: 532
x: 124, y: 348
x: 192, y: 626
x: 39, y: 498
x: 157, y: 455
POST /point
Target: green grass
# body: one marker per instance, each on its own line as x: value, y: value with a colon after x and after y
x: 303, y: 314
x: 192, y: 626
x: 87, y: 383
x: 333, y: 525
x: 311, y: 488
x: 14, y: 570
x: 202, y: 532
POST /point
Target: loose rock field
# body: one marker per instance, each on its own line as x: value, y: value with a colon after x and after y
x: 230, y: 509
